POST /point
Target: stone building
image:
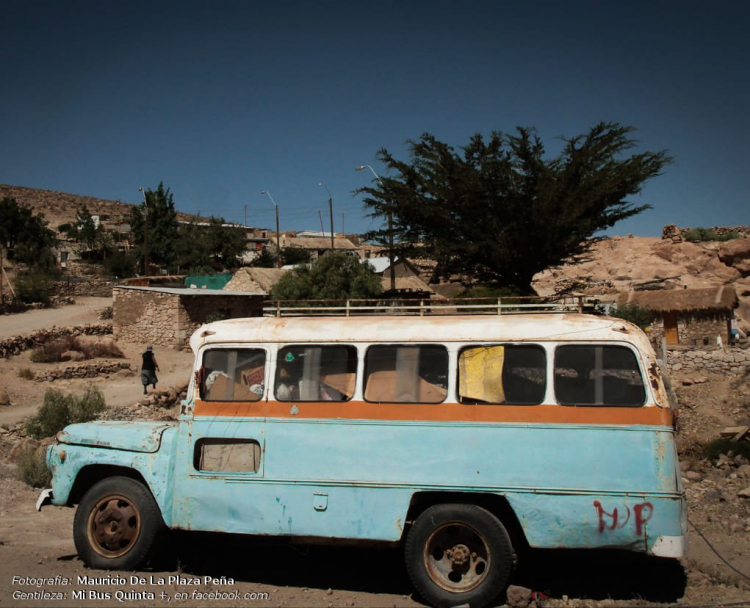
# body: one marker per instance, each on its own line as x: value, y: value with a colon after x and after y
x: 169, y: 316
x: 692, y: 317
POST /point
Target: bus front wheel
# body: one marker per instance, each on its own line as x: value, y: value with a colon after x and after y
x: 459, y: 554
x: 116, y: 524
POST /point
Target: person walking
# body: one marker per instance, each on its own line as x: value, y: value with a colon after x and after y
x: 149, y: 369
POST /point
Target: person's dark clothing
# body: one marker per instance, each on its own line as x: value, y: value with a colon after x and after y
x: 148, y: 370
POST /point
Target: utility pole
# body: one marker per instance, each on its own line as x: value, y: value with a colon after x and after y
x: 278, y: 246
x: 330, y: 209
x: 391, y: 267
x: 145, y: 233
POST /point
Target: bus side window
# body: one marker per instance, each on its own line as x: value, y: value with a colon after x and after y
x: 231, y: 374
x: 316, y: 373
x: 510, y: 374
x: 406, y: 374
x: 589, y: 374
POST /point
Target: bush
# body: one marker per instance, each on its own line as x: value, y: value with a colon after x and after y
x: 34, y: 287
x: 59, y: 410
x: 32, y: 468
x: 720, y: 446
x: 120, y: 265
x: 25, y: 373
x: 698, y: 235
x: 638, y: 315
x: 51, y: 352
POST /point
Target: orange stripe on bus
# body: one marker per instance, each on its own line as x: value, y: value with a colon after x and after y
x: 443, y: 412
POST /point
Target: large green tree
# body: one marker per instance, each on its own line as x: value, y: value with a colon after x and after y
x: 154, y: 225
x: 25, y: 236
x: 86, y: 231
x: 334, y: 276
x: 500, y: 210
x: 208, y: 247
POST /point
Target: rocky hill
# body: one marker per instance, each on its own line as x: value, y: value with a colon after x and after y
x: 621, y: 264
x: 61, y: 207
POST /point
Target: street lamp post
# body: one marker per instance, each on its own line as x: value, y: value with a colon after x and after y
x: 145, y: 232
x: 278, y: 247
x: 330, y: 209
x: 391, y: 267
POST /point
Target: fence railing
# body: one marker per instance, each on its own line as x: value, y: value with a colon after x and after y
x: 422, y: 307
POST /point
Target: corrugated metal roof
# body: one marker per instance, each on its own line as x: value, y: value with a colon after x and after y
x: 186, y: 291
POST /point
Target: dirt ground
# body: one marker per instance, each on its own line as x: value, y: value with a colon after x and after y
x: 39, y: 565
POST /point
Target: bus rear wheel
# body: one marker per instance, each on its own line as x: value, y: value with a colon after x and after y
x: 459, y: 554
x: 116, y: 524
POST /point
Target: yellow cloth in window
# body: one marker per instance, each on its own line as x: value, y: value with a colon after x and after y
x: 481, y: 374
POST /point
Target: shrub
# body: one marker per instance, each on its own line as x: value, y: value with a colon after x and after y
x: 698, y: 235
x: 638, y: 315
x: 25, y: 373
x: 720, y: 446
x: 33, y: 287
x: 51, y: 352
x: 59, y: 410
x: 32, y: 468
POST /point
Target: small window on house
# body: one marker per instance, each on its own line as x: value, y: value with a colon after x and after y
x: 233, y: 374
x: 508, y: 374
x: 598, y: 375
x: 406, y: 374
x: 315, y: 373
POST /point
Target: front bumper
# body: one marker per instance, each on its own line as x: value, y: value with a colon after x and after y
x: 45, y: 498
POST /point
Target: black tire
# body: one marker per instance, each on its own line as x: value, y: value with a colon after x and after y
x: 116, y: 524
x: 459, y: 554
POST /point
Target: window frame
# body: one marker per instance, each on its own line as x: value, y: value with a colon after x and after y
x: 277, y: 366
x: 536, y: 345
x: 446, y: 348
x: 619, y: 345
x: 202, y: 375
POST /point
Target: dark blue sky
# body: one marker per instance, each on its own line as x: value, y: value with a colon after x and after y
x: 222, y: 99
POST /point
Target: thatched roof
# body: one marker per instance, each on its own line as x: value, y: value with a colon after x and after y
x: 254, y: 279
x: 682, y: 300
x: 316, y: 243
x: 411, y: 283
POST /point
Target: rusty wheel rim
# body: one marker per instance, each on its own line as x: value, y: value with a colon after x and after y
x: 457, y: 557
x: 113, y: 526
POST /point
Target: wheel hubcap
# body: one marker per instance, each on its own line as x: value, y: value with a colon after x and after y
x: 457, y: 557
x: 113, y: 526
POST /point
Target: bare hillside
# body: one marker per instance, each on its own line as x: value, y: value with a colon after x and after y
x: 60, y: 207
x: 635, y: 263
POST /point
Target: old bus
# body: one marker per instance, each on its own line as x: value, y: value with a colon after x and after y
x: 462, y: 437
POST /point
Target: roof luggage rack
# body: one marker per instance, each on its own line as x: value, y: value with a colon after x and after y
x: 422, y: 307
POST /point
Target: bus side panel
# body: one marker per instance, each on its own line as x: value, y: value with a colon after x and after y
x: 553, y: 521
x: 557, y: 475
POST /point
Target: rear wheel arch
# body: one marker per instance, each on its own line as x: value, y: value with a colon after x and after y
x: 494, y: 503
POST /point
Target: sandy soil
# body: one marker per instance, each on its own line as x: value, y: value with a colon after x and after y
x: 36, y: 547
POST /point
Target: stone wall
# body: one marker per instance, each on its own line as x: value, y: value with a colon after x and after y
x: 17, y: 344
x: 85, y: 370
x: 718, y: 360
x: 700, y: 330
x: 169, y: 319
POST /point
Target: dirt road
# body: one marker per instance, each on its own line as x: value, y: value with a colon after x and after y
x: 83, y: 312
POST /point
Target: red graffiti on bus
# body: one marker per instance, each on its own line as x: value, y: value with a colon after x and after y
x: 610, y: 520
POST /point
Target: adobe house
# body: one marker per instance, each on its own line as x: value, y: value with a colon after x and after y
x: 691, y: 317
x: 169, y: 316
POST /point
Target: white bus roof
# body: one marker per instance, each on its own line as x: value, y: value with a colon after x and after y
x: 438, y: 328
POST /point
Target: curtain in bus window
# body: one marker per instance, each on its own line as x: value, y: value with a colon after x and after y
x: 406, y: 374
x: 513, y: 374
x: 480, y: 373
x: 598, y: 375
